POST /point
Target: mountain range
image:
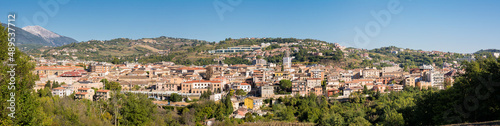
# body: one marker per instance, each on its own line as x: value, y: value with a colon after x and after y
x: 31, y: 37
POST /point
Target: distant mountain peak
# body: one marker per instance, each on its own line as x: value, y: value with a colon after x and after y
x: 42, y: 32
x: 50, y: 37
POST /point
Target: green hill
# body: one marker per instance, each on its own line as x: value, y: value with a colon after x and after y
x: 181, y: 50
x: 487, y: 51
x: 195, y: 52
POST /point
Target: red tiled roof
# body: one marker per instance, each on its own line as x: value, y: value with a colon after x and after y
x: 71, y: 74
x: 58, y: 67
x: 102, y: 90
x: 81, y: 93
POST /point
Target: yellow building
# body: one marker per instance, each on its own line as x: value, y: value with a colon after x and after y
x: 409, y: 81
x: 253, y: 102
x: 276, y: 74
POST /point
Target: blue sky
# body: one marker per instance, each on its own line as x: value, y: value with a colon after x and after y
x: 462, y: 26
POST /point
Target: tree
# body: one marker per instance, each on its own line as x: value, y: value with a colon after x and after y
x: 174, y: 97
x: 331, y: 119
x: 323, y: 84
x: 209, y: 73
x: 48, y: 84
x: 285, y: 85
x: 206, y: 95
x: 259, y: 57
x: 237, y: 60
x: 393, y: 118
x: 26, y: 105
x: 55, y: 85
x: 249, y: 117
x: 105, y: 83
x: 72, y: 96
x: 283, y: 112
x: 365, y: 89
x: 45, y: 92
x: 137, y: 110
x: 137, y: 87
x: 288, y: 115
x: 240, y: 92
x: 231, y: 93
x: 339, y: 55
x: 219, y: 112
x: 113, y: 85
x: 115, y: 60
x: 473, y: 84
x: 228, y: 104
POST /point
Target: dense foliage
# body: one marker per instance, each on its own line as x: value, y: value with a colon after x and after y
x: 22, y: 105
x: 474, y: 97
x: 237, y: 60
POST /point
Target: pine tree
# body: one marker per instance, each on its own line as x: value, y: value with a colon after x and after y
x: 229, y: 105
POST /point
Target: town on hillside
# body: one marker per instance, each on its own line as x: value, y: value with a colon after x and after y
x: 249, y: 85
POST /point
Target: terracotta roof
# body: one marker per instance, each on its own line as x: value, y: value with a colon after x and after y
x: 71, y: 74
x: 81, y: 93
x: 245, y: 84
x: 58, y: 67
x: 102, y: 90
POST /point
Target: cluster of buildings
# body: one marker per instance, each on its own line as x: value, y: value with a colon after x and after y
x: 260, y: 80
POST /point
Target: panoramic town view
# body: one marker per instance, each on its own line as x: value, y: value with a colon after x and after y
x: 259, y: 62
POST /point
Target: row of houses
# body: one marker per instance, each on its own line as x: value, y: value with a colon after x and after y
x: 81, y: 93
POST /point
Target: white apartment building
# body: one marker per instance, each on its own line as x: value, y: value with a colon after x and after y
x: 61, y: 92
x: 244, y: 86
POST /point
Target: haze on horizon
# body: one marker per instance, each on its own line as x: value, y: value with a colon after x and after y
x: 463, y: 26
